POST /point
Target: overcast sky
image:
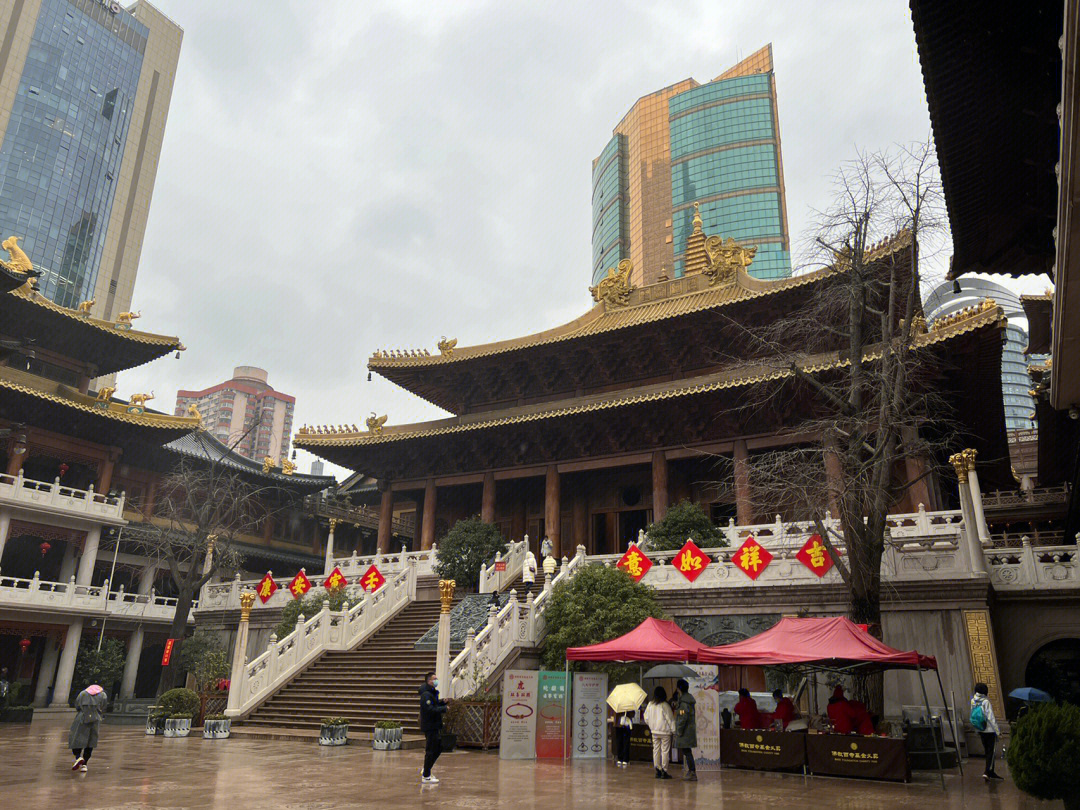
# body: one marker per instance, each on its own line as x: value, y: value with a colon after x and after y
x: 341, y: 176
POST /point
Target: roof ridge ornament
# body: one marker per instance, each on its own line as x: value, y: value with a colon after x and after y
x: 614, y: 290
x: 19, y: 263
x: 724, y: 259
x: 697, y: 217
x: 446, y: 347
x: 984, y: 305
x: 375, y: 423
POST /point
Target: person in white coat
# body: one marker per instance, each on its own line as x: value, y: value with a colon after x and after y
x: 528, y: 569
x: 661, y: 722
x: 984, y: 722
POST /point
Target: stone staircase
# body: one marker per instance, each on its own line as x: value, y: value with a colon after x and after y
x: 523, y: 592
x: 376, y: 681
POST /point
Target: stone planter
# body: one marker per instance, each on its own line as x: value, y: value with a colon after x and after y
x: 386, y: 739
x: 155, y: 725
x: 23, y: 714
x: 333, y: 735
x: 217, y: 729
x: 177, y: 726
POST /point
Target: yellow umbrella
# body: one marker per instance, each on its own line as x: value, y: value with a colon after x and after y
x: 626, y: 697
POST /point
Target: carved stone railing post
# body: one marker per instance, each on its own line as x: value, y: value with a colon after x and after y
x: 962, y: 462
x: 236, y: 682
x: 442, y: 655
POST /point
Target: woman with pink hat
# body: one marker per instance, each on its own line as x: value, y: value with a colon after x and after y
x: 89, y: 707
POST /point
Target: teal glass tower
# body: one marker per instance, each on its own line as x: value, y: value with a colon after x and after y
x: 716, y: 144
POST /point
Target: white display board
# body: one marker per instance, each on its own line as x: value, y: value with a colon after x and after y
x: 517, y: 737
x: 589, y: 716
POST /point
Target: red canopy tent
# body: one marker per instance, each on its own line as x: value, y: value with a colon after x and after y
x: 824, y: 642
x: 652, y: 640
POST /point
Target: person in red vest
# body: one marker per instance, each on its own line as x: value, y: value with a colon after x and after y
x: 864, y: 724
x: 785, y: 710
x: 746, y: 708
x: 840, y: 712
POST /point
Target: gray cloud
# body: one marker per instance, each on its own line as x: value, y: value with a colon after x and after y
x: 342, y: 176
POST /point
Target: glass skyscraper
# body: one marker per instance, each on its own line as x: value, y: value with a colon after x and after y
x: 82, y: 129
x: 716, y: 144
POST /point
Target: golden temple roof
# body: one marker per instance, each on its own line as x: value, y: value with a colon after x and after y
x: 57, y: 393
x: 975, y: 318
x: 651, y: 304
x: 168, y: 341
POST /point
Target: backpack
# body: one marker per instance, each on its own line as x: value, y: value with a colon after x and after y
x: 978, y: 717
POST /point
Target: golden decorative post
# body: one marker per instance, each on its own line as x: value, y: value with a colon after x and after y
x: 328, y: 564
x: 236, y: 678
x: 963, y: 464
x: 442, y: 656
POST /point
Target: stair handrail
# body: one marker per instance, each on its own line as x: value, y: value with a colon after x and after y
x: 516, y: 624
x: 492, y: 580
x: 327, y: 630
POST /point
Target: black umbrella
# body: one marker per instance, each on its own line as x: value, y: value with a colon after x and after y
x: 670, y: 671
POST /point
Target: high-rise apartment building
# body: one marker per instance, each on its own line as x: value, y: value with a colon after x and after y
x: 716, y: 144
x: 85, y: 87
x: 246, y: 412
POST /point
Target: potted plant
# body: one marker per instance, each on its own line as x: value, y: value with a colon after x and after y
x: 334, y: 731
x: 155, y: 722
x: 178, y: 725
x: 387, y: 736
x: 174, y: 704
x: 216, y: 727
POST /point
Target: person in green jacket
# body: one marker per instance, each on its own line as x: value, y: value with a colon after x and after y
x: 686, y: 728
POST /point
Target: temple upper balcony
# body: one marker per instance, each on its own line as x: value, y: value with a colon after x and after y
x: 56, y: 504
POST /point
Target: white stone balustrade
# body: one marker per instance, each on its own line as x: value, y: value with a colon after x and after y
x: 493, y: 580
x: 18, y: 492
x: 84, y: 600
x: 1034, y: 568
x: 226, y: 595
x: 326, y: 630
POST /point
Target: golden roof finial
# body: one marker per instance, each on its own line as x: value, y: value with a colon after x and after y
x: 697, y: 217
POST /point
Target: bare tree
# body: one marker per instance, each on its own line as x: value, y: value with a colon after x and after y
x: 850, y: 371
x: 202, y: 508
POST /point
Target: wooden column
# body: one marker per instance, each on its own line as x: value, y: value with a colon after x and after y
x: 16, y: 459
x: 386, y: 518
x: 581, y: 521
x: 744, y: 509
x: 659, y: 485
x: 105, y: 473
x: 552, y: 511
x: 519, y: 519
x: 487, y: 499
x: 427, y: 526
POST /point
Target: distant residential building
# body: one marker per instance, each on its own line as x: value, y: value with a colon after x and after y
x: 245, y: 411
x: 85, y: 87
x: 715, y: 144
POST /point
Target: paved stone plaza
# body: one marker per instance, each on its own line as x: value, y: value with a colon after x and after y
x: 130, y: 770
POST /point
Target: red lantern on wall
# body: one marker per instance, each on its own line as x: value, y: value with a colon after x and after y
x: 63, y: 469
x: 25, y: 644
x: 45, y: 546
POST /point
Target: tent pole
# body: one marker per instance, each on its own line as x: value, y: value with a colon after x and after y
x: 951, y: 713
x: 930, y: 720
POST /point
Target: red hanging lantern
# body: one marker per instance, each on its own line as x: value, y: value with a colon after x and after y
x: 45, y: 546
x: 25, y: 644
x: 63, y: 469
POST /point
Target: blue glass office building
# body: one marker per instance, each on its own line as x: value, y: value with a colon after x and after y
x: 65, y: 139
x: 716, y: 144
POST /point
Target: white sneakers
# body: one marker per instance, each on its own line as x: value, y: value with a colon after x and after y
x: 82, y: 768
x: 620, y: 764
x: 429, y: 780
x: 79, y: 765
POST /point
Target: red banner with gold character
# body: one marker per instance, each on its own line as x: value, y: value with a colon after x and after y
x: 691, y: 561
x: 300, y: 584
x: 267, y: 587
x: 752, y: 558
x: 635, y: 563
x: 372, y: 580
x: 335, y: 580
x: 815, y: 556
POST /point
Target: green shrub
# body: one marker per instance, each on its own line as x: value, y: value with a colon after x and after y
x: 339, y: 598
x: 388, y: 724
x: 103, y: 667
x: 335, y: 721
x: 204, y: 656
x: 684, y: 521
x: 598, y: 604
x: 177, y: 701
x: 181, y: 716
x: 215, y: 717
x: 1044, y: 753
x: 469, y: 545
x: 15, y: 699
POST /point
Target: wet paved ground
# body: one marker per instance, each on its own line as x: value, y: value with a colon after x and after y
x: 131, y: 770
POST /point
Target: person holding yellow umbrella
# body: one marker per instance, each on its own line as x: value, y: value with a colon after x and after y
x: 625, y: 699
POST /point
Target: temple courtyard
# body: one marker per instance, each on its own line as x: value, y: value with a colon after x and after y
x: 130, y: 770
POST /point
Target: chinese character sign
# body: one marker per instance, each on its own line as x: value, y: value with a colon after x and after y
x: 552, y: 741
x: 267, y: 587
x: 166, y: 655
x: 752, y: 558
x: 300, y: 585
x: 635, y: 563
x: 517, y: 735
x: 815, y: 556
x: 588, y: 715
x: 335, y: 580
x: 690, y: 561
x: 372, y: 580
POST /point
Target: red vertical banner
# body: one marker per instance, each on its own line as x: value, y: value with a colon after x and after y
x: 550, y: 715
x: 166, y: 656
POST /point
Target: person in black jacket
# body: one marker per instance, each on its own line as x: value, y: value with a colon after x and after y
x: 431, y: 711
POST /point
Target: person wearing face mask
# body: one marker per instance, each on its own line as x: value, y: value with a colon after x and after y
x: 432, y: 708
